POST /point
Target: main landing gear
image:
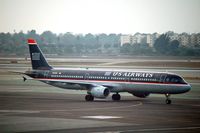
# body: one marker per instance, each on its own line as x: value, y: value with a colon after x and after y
x: 168, y: 101
x: 89, y: 97
x: 116, y: 97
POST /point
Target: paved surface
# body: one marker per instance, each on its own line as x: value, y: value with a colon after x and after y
x: 57, y: 112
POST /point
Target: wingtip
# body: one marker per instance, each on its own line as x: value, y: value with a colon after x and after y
x: 31, y: 41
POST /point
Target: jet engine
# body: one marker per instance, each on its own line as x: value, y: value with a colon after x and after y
x: 100, y: 92
x: 141, y: 95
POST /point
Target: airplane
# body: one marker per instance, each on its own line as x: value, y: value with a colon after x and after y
x: 100, y: 83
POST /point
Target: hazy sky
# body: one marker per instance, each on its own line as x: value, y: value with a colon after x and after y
x: 100, y: 16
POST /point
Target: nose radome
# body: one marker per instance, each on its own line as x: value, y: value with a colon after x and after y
x: 189, y: 87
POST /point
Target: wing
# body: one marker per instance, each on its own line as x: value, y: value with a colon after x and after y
x: 76, y: 84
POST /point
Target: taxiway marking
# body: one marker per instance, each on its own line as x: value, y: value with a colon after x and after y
x: 101, y: 117
x: 68, y: 110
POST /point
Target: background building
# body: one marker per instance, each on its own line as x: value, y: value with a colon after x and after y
x: 125, y: 39
x: 139, y: 38
x: 185, y: 39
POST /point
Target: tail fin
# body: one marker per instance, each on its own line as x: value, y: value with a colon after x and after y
x: 37, y: 58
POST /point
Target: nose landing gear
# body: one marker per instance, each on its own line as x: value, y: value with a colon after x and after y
x: 168, y: 101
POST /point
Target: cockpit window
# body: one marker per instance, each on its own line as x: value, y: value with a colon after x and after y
x: 167, y: 79
x: 174, y: 79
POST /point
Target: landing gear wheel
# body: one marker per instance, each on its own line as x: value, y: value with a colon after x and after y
x: 89, y: 98
x: 116, y: 97
x: 168, y: 101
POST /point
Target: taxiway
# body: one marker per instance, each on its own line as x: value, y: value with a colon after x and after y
x: 23, y: 111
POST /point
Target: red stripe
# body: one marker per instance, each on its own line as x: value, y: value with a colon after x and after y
x: 132, y: 82
x: 31, y: 41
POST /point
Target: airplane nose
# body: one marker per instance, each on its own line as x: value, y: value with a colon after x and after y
x: 189, y: 87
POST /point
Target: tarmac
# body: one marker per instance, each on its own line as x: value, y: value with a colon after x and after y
x: 29, y: 111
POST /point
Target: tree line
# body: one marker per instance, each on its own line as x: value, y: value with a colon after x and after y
x: 89, y: 44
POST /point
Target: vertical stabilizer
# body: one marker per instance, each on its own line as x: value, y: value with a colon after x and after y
x: 37, y: 58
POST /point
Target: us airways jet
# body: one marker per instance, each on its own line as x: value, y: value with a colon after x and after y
x: 100, y: 83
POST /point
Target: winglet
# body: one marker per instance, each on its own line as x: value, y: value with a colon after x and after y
x: 31, y: 41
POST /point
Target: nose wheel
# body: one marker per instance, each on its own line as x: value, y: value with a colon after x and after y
x: 168, y: 100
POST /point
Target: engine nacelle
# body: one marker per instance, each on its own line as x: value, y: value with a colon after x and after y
x: 141, y: 95
x: 100, y: 92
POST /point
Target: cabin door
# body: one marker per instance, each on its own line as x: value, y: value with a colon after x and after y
x: 86, y: 76
x: 127, y: 79
x: 162, y: 78
x: 46, y: 74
